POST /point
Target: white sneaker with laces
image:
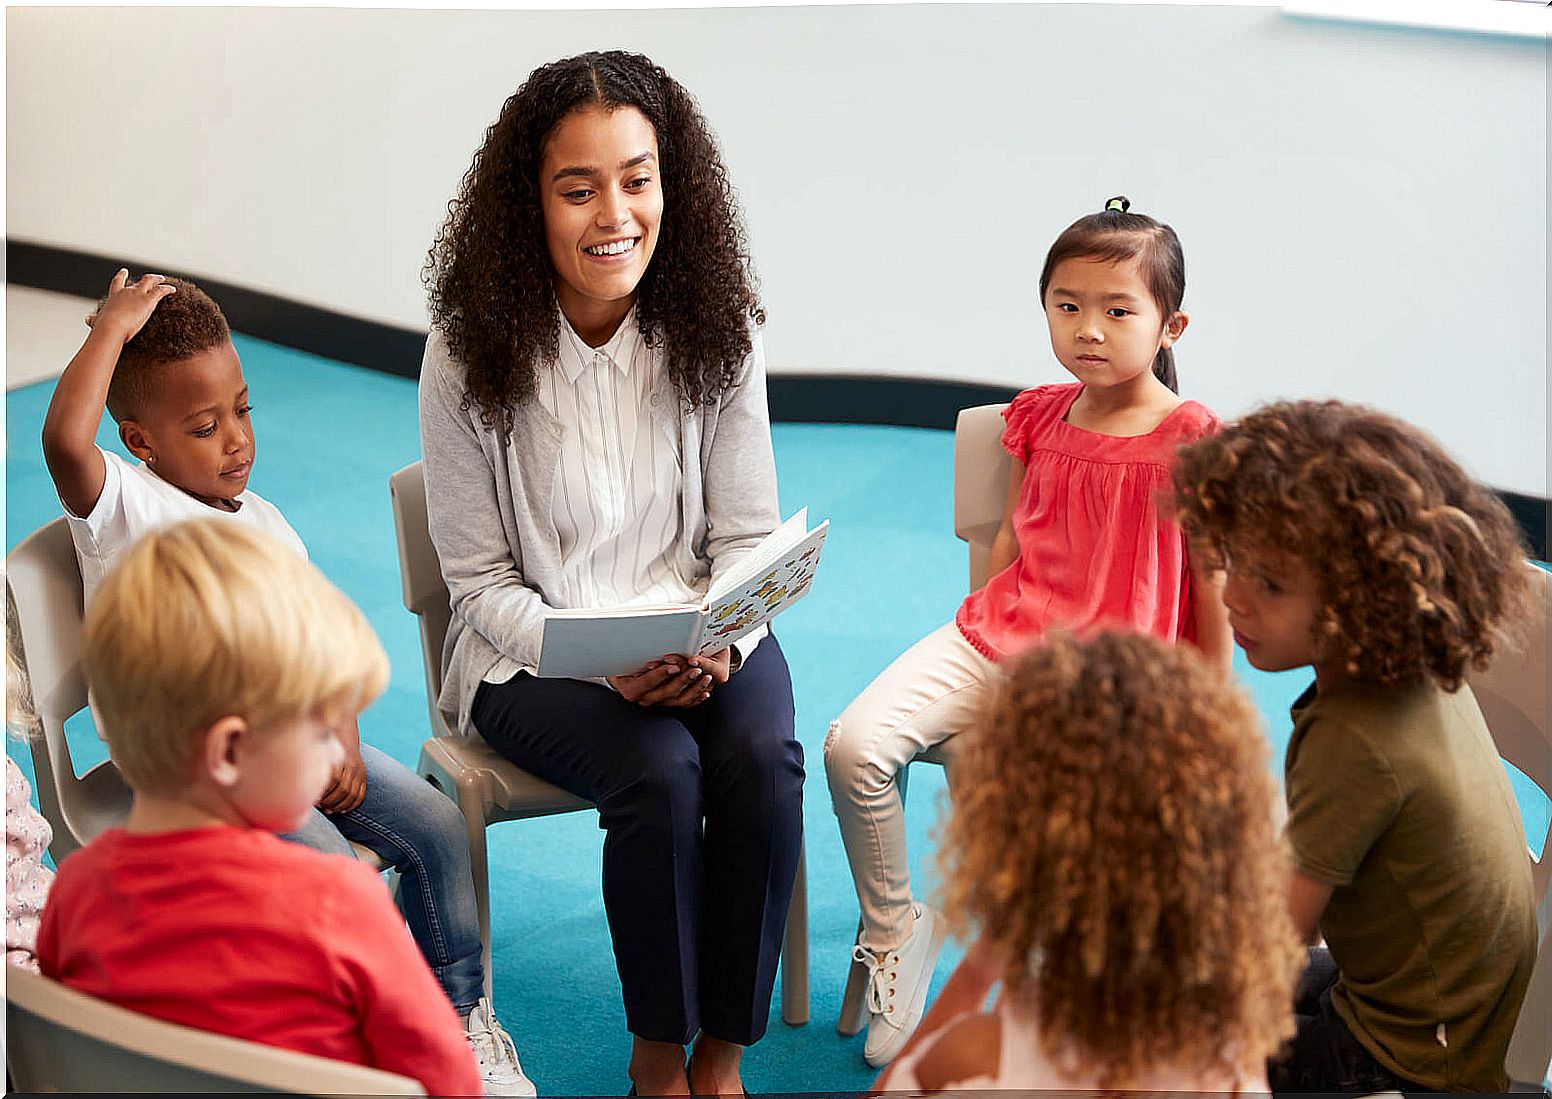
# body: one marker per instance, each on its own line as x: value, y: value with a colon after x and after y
x: 897, y: 985
x: 497, y: 1056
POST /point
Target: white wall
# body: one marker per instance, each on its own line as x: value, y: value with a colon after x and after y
x: 1363, y: 208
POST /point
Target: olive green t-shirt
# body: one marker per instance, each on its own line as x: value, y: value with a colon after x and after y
x: 1397, y: 798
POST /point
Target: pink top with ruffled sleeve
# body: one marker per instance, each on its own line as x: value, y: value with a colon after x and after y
x: 1096, y: 550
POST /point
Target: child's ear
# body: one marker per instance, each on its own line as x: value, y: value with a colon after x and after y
x: 136, y: 441
x: 222, y: 750
x: 1174, y: 328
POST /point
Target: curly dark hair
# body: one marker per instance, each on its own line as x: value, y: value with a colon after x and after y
x: 1113, y: 841
x: 491, y: 283
x: 1419, y: 568
x: 181, y: 325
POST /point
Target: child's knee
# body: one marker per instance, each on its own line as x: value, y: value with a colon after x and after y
x: 850, y: 768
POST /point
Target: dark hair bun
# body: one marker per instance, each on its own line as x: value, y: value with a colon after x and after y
x: 1120, y: 204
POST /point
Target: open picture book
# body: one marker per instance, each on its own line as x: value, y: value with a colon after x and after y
x: 580, y: 644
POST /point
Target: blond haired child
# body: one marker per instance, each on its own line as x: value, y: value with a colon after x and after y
x: 1357, y: 547
x: 223, y: 665
x: 1112, y: 844
x: 160, y: 358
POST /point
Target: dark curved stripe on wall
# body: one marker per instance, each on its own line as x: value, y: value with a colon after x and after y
x: 1531, y: 513
x: 794, y: 398
x: 876, y: 399
x: 269, y: 317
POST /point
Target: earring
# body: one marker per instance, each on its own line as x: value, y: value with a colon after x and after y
x: 150, y: 459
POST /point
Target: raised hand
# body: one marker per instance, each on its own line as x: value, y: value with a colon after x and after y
x: 75, y: 410
x: 129, y: 304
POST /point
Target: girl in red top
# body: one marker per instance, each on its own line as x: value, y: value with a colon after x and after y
x: 1083, y: 544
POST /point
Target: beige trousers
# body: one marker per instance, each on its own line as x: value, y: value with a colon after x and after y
x: 932, y: 691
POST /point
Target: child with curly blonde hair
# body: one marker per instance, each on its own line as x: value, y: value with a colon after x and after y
x: 1356, y: 546
x: 1112, y: 843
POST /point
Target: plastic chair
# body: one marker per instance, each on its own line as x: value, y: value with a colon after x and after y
x: 43, y: 621
x: 981, y: 471
x: 61, y: 1040
x: 43, y: 614
x: 1513, y: 696
x: 486, y: 786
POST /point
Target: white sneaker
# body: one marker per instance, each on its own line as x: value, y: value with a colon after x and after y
x: 497, y: 1056
x: 897, y: 986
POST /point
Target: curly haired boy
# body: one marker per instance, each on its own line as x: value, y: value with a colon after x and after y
x: 1356, y: 546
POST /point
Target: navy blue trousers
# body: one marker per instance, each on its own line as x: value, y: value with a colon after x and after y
x: 703, y: 814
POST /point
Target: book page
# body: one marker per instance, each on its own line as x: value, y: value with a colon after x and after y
x: 760, y: 559
x: 764, y: 595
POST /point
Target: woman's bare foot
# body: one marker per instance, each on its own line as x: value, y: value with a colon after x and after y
x: 657, y: 1068
x: 714, y: 1067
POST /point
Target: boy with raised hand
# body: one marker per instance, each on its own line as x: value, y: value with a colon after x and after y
x: 160, y: 358
x: 222, y: 666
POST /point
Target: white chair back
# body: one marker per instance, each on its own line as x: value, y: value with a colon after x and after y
x: 43, y: 620
x: 1513, y: 696
x: 981, y: 469
x: 61, y: 1040
x: 420, y: 577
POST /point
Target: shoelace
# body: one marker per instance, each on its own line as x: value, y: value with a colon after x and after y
x: 492, y: 1044
x: 881, y: 978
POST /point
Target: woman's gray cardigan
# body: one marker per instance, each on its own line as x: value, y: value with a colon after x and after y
x: 488, y: 506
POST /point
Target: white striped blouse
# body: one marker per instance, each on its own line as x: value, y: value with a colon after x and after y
x: 618, y: 479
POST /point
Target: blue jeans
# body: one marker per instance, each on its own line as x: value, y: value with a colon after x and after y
x: 420, y: 832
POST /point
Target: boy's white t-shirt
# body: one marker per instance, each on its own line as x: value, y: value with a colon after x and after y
x: 135, y: 501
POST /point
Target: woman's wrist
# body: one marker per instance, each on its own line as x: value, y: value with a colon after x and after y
x: 735, y: 659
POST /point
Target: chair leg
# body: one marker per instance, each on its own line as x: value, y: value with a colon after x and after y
x: 794, y: 950
x: 474, y: 820
x: 851, y: 1000
x: 469, y: 804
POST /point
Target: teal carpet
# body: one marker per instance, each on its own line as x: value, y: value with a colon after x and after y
x: 329, y: 435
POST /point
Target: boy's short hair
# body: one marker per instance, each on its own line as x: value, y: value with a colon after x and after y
x: 210, y: 618
x: 182, y: 324
x: 1418, y: 566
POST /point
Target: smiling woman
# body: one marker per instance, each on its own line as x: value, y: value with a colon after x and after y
x: 594, y: 423
x: 600, y: 219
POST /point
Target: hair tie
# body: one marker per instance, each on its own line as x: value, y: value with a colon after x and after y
x: 1119, y: 204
